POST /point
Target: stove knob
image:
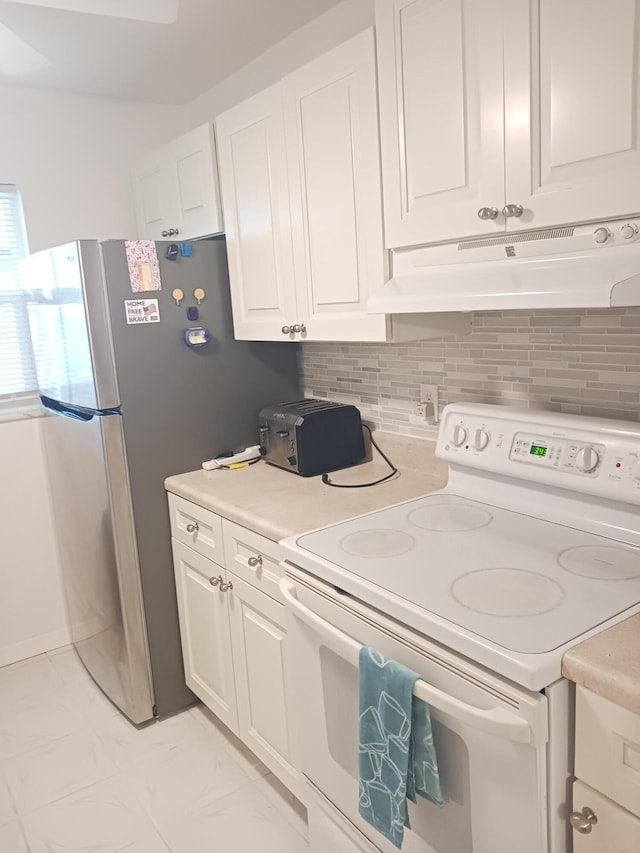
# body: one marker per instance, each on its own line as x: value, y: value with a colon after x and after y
x: 601, y: 235
x: 629, y: 231
x: 480, y: 439
x: 459, y: 435
x: 587, y: 459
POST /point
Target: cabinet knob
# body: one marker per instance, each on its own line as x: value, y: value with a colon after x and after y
x: 215, y: 581
x: 488, y: 213
x: 287, y: 330
x: 193, y: 527
x: 225, y: 585
x: 583, y: 821
x: 254, y: 562
x: 299, y: 327
x: 172, y: 232
x: 510, y: 210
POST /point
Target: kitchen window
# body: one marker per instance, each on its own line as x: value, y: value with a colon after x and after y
x: 17, y: 365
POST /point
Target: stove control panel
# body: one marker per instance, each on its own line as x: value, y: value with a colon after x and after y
x: 590, y: 455
x: 572, y: 457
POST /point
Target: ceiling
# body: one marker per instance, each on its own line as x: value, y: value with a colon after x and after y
x: 165, y: 63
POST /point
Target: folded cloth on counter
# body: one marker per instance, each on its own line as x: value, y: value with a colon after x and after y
x: 396, y: 755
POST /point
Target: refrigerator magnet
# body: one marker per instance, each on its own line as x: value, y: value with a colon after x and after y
x: 141, y: 311
x: 142, y: 261
x: 197, y: 336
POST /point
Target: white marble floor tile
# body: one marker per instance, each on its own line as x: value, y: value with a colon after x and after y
x: 12, y: 839
x: 25, y: 684
x: 244, y: 821
x: 178, y: 782
x: 7, y: 811
x: 53, y: 771
x: 103, y: 818
x: 127, y: 744
x: 288, y: 806
x: 37, y: 724
x: 151, y: 844
x: 230, y: 744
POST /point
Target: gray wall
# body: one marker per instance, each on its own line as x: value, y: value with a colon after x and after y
x: 583, y: 362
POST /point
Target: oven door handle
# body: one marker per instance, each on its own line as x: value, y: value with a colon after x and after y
x: 496, y: 721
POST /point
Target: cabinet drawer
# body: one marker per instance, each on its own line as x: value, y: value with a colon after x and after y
x: 253, y: 558
x: 197, y: 527
x: 608, y: 748
x: 616, y: 830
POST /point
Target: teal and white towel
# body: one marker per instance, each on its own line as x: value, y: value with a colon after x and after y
x: 396, y: 755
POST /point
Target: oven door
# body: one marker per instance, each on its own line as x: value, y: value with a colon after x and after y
x: 489, y: 735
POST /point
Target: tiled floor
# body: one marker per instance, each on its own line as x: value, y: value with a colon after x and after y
x: 76, y: 777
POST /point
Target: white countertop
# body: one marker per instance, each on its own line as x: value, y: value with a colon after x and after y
x: 277, y: 503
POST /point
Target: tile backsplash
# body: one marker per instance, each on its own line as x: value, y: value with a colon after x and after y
x: 576, y: 361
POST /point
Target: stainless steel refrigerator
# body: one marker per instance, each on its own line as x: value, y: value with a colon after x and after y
x: 131, y: 403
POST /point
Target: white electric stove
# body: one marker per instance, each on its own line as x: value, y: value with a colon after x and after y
x: 533, y: 544
x: 480, y: 588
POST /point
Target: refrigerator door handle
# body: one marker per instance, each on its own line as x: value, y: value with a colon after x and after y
x: 66, y: 411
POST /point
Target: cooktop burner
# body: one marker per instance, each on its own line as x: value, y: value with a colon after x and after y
x: 601, y: 563
x: 519, y: 582
x: 378, y: 543
x: 507, y: 592
x: 450, y: 518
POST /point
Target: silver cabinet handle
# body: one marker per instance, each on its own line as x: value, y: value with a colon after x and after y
x: 488, y: 213
x: 583, y: 821
x: 172, y: 232
x: 299, y: 327
x: 255, y: 561
x: 193, y: 528
x: 225, y: 586
x: 512, y: 210
x: 287, y: 330
x: 215, y: 581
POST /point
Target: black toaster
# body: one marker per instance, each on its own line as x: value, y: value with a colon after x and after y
x: 311, y: 436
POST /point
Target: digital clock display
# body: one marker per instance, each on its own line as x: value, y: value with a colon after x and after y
x: 538, y: 450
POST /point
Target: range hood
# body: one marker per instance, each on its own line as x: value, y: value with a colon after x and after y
x: 602, y: 277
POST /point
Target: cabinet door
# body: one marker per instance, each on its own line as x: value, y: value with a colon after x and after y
x: 617, y: 830
x: 572, y: 110
x: 333, y: 159
x: 255, y: 200
x: 205, y: 632
x: 155, y: 196
x: 441, y: 118
x: 264, y: 709
x: 192, y: 161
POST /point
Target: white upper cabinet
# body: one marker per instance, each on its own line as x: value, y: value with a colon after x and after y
x: 333, y: 158
x: 440, y: 81
x: 255, y: 198
x: 572, y: 110
x: 176, y: 189
x: 503, y: 115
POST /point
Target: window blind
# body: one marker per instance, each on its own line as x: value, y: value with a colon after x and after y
x: 17, y: 366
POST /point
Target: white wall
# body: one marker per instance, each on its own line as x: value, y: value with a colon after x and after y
x: 33, y: 616
x: 335, y: 26
x: 71, y: 155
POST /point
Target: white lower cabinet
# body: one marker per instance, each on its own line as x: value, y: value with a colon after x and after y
x: 258, y: 640
x: 205, y: 632
x: 606, y: 795
x: 616, y: 830
x: 234, y: 637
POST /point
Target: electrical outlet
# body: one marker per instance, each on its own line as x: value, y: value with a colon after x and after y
x: 423, y: 410
x: 429, y: 395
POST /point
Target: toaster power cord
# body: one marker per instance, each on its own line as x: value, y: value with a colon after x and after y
x: 394, y: 470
